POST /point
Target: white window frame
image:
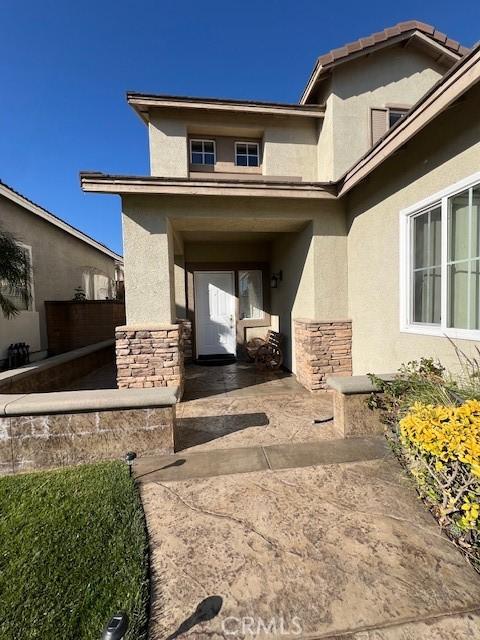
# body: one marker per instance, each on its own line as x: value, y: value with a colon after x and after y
x: 439, y: 199
x: 247, y: 142
x: 203, y: 164
x: 31, y: 306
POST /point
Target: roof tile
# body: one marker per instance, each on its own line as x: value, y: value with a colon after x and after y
x: 440, y: 37
x: 386, y: 34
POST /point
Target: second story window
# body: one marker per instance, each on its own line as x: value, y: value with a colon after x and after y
x: 202, y: 152
x: 247, y: 154
x: 394, y: 115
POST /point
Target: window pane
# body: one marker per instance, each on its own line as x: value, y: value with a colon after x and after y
x: 242, y: 161
x: 427, y: 292
x: 476, y: 222
x: 253, y: 161
x: 458, y: 227
x: 197, y: 158
x: 462, y: 314
x: 475, y: 295
x: 252, y: 149
x: 209, y: 158
x: 427, y: 239
x: 241, y: 148
x: 436, y: 237
x: 208, y: 147
x: 458, y: 295
x: 395, y: 115
x: 250, y: 294
x: 197, y: 146
x: 420, y: 234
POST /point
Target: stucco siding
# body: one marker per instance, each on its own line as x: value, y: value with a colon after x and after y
x: 444, y: 153
x: 289, y: 144
x: 398, y: 76
x: 168, y: 147
x: 59, y: 262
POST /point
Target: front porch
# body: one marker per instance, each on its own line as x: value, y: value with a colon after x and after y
x: 204, y: 276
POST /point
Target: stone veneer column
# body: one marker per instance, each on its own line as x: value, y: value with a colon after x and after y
x: 150, y: 356
x: 186, y: 339
x: 322, y: 349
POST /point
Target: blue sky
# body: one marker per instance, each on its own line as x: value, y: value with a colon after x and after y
x: 65, y: 68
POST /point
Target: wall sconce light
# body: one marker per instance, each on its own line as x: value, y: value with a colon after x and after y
x: 275, y: 279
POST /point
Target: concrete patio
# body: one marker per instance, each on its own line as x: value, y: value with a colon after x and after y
x: 237, y: 406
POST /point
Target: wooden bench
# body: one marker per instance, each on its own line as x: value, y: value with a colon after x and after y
x: 268, y: 353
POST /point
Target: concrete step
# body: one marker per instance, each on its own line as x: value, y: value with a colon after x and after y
x: 218, y: 462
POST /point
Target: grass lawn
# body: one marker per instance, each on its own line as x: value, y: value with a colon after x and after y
x: 73, y: 551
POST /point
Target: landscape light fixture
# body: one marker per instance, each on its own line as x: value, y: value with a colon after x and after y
x: 117, y: 626
x: 129, y: 458
x: 275, y: 279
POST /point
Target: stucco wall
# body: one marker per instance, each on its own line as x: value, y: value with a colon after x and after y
x: 149, y: 263
x: 446, y: 152
x: 289, y: 143
x: 396, y: 76
x: 58, y: 260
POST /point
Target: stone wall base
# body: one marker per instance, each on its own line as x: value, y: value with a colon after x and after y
x: 36, y: 442
x: 353, y: 418
x: 187, y: 340
x: 322, y: 349
x: 150, y: 356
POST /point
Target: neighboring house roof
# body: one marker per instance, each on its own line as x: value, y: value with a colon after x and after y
x: 457, y: 81
x: 142, y: 102
x: 39, y: 211
x: 435, y: 43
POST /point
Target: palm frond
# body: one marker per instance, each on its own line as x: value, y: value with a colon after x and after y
x: 15, y: 274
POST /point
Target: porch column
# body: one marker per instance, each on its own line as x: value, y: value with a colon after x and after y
x: 149, y: 347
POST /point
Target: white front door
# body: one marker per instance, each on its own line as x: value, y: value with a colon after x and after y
x: 215, y: 312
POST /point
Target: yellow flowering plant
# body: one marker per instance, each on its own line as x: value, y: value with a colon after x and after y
x: 433, y: 425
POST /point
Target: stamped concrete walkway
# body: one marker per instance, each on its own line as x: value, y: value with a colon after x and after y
x: 236, y: 406
x: 266, y: 526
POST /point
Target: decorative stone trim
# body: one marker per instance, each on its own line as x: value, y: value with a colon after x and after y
x: 186, y: 339
x: 150, y: 356
x: 322, y: 349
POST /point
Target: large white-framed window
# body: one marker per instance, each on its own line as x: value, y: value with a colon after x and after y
x: 440, y: 263
x: 18, y: 301
x: 247, y: 154
x: 202, y: 152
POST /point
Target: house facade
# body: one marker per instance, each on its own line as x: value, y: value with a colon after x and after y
x: 346, y: 222
x: 62, y: 259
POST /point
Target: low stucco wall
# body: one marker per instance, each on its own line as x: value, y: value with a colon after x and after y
x: 43, y: 430
x: 54, y: 374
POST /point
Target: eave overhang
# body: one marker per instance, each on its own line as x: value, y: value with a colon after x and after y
x: 153, y: 185
x: 143, y: 103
